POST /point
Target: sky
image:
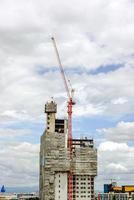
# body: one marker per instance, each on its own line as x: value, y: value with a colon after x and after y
x: 96, y: 45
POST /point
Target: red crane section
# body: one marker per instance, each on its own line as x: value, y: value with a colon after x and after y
x: 61, y: 67
x: 69, y: 93
x: 69, y: 111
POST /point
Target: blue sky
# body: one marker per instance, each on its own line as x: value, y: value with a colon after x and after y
x: 95, y: 41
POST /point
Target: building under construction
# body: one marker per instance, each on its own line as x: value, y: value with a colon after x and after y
x: 67, y: 166
x: 64, y: 176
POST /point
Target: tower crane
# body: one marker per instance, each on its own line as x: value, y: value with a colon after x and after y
x: 69, y: 111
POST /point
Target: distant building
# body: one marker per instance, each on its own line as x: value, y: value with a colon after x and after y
x: 3, y: 190
x: 22, y: 196
x: 28, y: 196
x: 8, y: 197
x: 114, y: 196
x: 118, y: 189
x: 113, y: 191
x: 55, y: 162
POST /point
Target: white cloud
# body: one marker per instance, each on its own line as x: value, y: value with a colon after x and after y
x: 112, y: 146
x: 114, y: 167
x: 115, y: 161
x: 13, y: 114
x: 88, y: 109
x: 10, y: 133
x: 26, y: 45
x: 115, y: 155
x: 19, y: 164
x: 120, y: 100
x: 122, y: 132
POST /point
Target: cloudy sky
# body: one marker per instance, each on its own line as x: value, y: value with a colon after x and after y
x: 96, y: 45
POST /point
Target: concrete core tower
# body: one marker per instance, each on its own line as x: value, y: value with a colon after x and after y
x: 55, y: 163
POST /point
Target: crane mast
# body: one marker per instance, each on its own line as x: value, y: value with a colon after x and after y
x: 69, y: 111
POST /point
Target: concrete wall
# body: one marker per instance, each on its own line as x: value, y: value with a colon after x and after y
x: 60, y: 186
x: 84, y: 161
x: 54, y: 157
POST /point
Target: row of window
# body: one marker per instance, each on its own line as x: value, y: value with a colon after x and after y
x: 78, y: 181
x: 83, y: 196
x: 83, y: 179
x: 48, y: 118
x: 81, y: 187
x: 84, y: 183
x: 83, y: 192
x: 74, y: 188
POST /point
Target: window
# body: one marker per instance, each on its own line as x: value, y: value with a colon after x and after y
x: 59, y: 125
